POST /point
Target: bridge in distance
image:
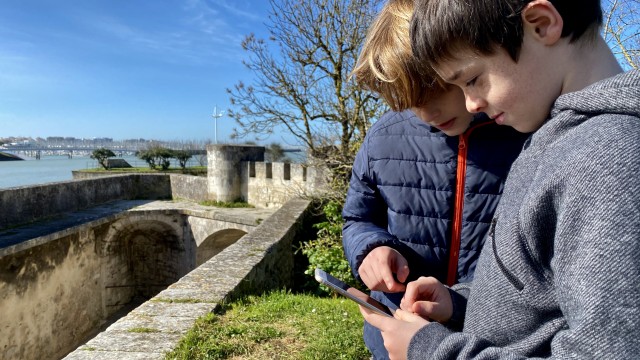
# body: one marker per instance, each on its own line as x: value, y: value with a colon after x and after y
x: 37, y: 151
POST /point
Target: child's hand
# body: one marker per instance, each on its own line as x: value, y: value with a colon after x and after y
x: 396, y: 332
x: 428, y: 298
x: 378, y: 267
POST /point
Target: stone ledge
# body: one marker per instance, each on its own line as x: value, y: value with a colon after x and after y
x: 261, y: 260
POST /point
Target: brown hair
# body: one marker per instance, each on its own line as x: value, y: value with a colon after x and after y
x: 440, y: 28
x: 386, y: 64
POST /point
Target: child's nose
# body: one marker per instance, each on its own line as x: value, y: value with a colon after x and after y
x: 474, y: 104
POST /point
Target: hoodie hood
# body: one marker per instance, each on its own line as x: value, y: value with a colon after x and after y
x: 619, y: 94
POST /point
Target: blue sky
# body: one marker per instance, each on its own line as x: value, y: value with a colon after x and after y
x: 123, y: 68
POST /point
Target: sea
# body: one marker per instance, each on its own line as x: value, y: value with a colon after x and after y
x: 50, y: 169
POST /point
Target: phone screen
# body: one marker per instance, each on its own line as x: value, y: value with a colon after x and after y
x: 352, y: 293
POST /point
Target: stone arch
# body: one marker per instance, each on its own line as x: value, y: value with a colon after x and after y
x: 141, y: 256
x: 217, y: 242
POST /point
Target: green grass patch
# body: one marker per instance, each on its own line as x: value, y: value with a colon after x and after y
x: 194, y: 170
x: 143, y: 330
x: 278, y: 325
x: 224, y: 204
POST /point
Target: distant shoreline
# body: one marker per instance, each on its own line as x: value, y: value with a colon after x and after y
x: 8, y: 157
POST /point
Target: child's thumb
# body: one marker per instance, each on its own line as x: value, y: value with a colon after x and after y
x: 430, y: 310
x: 426, y: 309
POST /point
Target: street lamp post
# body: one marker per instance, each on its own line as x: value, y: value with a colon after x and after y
x: 215, y: 116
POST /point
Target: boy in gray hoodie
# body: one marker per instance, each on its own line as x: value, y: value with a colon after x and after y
x: 559, y: 275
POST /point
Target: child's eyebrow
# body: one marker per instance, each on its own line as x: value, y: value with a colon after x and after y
x: 455, y: 76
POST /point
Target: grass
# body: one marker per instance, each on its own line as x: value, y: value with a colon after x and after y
x: 277, y: 325
x: 192, y: 170
x: 225, y: 204
x: 143, y: 330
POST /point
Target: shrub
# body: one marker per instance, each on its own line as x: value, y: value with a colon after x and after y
x: 326, y: 251
x: 102, y: 155
x: 183, y: 157
x: 156, y: 156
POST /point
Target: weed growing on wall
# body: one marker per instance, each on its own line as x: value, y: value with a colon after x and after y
x: 326, y: 251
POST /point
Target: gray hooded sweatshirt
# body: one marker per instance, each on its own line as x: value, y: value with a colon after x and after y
x: 559, y: 274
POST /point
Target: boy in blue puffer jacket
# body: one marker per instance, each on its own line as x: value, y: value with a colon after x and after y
x: 427, y: 178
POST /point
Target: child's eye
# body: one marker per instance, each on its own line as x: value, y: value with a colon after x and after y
x: 471, y: 82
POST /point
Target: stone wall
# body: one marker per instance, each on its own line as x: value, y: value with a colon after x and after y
x: 32, y: 203
x: 238, y: 172
x: 261, y: 260
x: 188, y: 187
x: 39, y: 290
x: 55, y: 295
x: 63, y: 289
x: 273, y: 184
x: 226, y: 170
x: 57, y: 289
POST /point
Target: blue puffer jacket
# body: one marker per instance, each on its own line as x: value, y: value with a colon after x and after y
x: 403, y: 193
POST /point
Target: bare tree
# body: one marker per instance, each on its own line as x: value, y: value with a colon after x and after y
x: 302, y: 77
x: 198, y: 148
x: 275, y: 153
x: 621, y: 30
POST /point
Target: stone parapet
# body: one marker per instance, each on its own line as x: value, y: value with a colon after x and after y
x: 181, y: 186
x: 238, y: 172
x: 188, y: 187
x: 27, y: 204
x: 270, y: 185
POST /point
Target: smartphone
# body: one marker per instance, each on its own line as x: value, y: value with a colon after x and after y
x: 352, y: 293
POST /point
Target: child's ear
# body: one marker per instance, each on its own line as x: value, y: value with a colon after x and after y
x: 543, y: 21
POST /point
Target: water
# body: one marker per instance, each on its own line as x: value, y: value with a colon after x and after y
x: 52, y: 169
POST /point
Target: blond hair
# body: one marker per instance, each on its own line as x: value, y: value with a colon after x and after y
x: 386, y: 64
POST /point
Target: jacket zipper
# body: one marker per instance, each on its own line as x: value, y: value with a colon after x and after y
x: 456, y: 230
